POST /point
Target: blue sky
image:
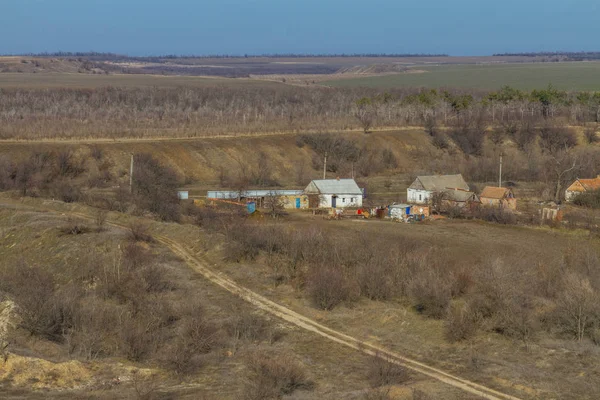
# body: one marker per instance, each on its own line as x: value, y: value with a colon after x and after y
x: 153, y: 27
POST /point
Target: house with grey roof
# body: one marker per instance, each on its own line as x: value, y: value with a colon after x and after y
x: 422, y: 190
x: 334, y: 193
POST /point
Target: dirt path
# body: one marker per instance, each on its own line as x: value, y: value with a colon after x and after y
x: 199, y: 264
x: 159, y: 139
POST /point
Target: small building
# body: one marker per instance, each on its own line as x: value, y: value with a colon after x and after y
x: 398, y: 211
x: 498, y: 197
x: 289, y: 198
x: 582, y: 186
x: 423, y: 188
x: 333, y: 193
x: 183, y: 194
x: 458, y: 198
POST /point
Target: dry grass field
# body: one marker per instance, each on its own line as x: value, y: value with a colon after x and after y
x: 335, y: 371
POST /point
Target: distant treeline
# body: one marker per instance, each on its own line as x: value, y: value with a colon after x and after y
x: 570, y: 55
x: 113, y: 56
x: 184, y: 112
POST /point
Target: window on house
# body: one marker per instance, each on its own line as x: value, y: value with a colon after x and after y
x: 419, y: 197
x: 343, y: 199
x: 353, y: 199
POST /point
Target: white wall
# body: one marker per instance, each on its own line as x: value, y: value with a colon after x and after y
x: 570, y: 195
x: 417, y: 196
x: 342, y: 201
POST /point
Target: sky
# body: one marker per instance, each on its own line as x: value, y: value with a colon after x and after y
x: 237, y: 27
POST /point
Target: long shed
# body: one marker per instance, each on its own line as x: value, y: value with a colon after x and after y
x: 290, y: 198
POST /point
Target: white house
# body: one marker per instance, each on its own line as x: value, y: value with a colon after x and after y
x: 424, y: 187
x: 334, y: 193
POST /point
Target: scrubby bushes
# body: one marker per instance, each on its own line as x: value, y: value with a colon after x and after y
x: 384, y: 372
x: 124, y: 304
x: 489, y: 295
x: 588, y: 199
x: 271, y: 376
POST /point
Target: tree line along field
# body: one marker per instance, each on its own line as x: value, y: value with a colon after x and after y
x: 584, y: 76
x: 211, y: 107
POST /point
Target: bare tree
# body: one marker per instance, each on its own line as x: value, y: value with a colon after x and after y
x: 577, y: 304
x: 366, y: 113
x: 274, y: 203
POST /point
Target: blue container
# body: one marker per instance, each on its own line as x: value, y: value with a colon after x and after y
x: 251, y: 206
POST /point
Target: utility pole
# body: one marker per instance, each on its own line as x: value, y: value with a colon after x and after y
x: 131, y: 175
x: 500, y: 175
x: 325, y: 166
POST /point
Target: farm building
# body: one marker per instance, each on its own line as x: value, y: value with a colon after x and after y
x: 398, y: 211
x: 334, y: 193
x: 498, y: 197
x: 423, y: 188
x: 582, y: 186
x: 458, y: 198
x: 290, y: 198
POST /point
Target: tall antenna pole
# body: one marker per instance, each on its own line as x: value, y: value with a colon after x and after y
x: 325, y: 166
x: 500, y: 175
x: 131, y: 175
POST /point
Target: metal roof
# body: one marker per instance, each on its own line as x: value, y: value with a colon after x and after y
x: 440, y: 182
x: 399, y: 206
x: 493, y: 192
x: 459, y: 195
x: 234, y: 194
x: 333, y: 186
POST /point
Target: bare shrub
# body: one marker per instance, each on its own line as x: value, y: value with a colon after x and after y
x: 495, y: 214
x: 375, y: 278
x: 248, y: 327
x: 590, y: 135
x: 469, y: 138
x: 140, y: 232
x: 577, y: 306
x: 74, y: 227
x: 430, y: 294
x: 431, y: 126
x: 460, y: 324
x: 138, y: 336
x: 518, y: 320
x: 378, y: 394
x: 33, y: 290
x: 389, y: 159
x: 328, y: 287
x: 145, y: 385
x: 440, y: 141
x: 154, y: 279
x: 383, y: 372
x: 67, y: 191
x: 95, y: 324
x: 588, y: 199
x: 273, y: 375
x: 554, y: 139
x: 196, y: 336
x: 96, y: 152
x: 274, y: 204
x: 100, y: 216
x: 67, y: 164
